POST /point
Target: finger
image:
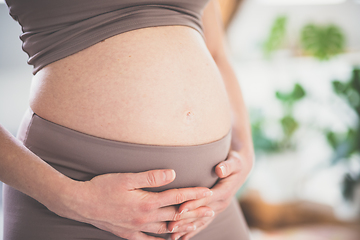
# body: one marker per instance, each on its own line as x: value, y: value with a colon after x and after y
x: 200, y: 226
x: 194, y: 204
x: 231, y: 165
x: 178, y: 226
x: 183, y: 225
x: 162, y: 227
x: 153, y: 178
x: 187, y: 236
x: 223, y: 190
x: 178, y: 220
x: 198, y: 213
x: 197, y: 227
x: 220, y: 191
x: 188, y: 228
x: 178, y: 196
x: 187, y: 225
x: 169, y: 214
x: 177, y: 236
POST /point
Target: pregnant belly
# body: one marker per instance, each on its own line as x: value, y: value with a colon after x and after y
x: 156, y: 86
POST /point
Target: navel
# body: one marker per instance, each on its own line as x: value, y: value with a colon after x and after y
x: 189, y: 116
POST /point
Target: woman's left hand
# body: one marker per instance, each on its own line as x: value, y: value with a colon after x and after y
x: 232, y: 173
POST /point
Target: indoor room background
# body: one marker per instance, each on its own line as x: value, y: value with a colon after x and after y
x: 298, y: 63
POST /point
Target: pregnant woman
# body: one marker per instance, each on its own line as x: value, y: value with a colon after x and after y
x: 137, y: 127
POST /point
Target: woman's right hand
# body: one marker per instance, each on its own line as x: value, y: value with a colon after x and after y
x: 116, y: 203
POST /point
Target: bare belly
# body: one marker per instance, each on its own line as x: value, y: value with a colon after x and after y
x: 155, y: 85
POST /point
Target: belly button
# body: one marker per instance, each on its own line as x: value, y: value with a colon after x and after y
x: 189, y: 116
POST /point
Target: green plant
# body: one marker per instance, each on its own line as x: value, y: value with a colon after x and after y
x: 288, y: 122
x: 348, y: 143
x: 322, y: 42
x: 276, y: 36
x: 289, y: 125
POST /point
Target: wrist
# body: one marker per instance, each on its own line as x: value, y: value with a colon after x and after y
x: 246, y: 154
x: 65, y: 198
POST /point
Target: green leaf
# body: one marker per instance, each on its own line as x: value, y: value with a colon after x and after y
x: 322, y: 42
x: 339, y: 87
x: 276, y: 36
x: 332, y: 139
x: 355, y: 79
x: 344, y: 144
x: 296, y: 94
x: 353, y: 97
x: 289, y: 125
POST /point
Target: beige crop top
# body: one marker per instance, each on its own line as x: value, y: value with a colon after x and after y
x: 54, y: 29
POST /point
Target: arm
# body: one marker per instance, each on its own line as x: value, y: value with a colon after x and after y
x: 214, y: 38
x: 112, y: 202
x: 235, y: 169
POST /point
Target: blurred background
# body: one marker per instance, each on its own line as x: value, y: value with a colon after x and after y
x: 298, y: 63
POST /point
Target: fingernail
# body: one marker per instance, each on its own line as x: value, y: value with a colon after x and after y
x: 222, y: 168
x: 169, y: 175
x: 184, y: 211
x: 208, y: 193
x: 174, y: 229
x: 177, y: 238
x: 209, y: 214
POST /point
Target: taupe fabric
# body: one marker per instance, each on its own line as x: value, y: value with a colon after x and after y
x: 56, y: 29
x: 81, y: 157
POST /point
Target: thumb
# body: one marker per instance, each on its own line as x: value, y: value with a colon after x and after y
x: 153, y: 178
x: 229, y: 166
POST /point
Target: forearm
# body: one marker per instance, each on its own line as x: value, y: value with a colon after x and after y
x: 26, y: 172
x: 241, y: 131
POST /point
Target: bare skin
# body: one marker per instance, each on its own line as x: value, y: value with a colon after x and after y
x: 161, y: 85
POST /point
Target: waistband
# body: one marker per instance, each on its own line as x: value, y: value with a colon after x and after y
x: 82, y: 156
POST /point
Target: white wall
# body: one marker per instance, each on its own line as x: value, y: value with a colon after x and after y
x: 15, y: 74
